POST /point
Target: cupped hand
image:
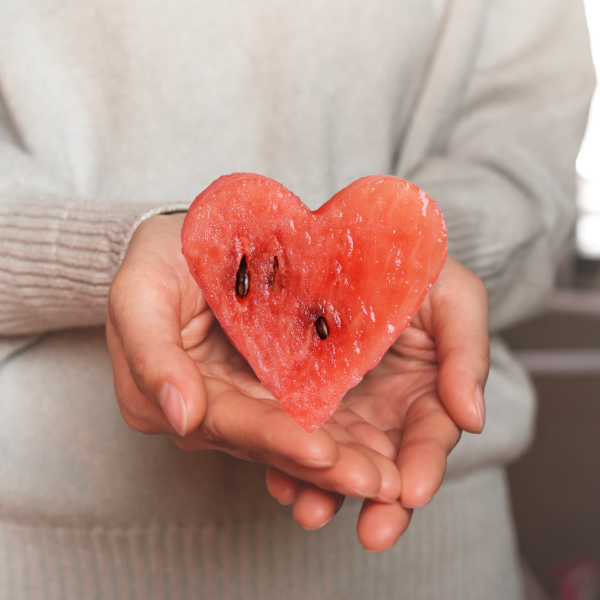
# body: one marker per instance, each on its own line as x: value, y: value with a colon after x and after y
x: 427, y: 387
x: 176, y: 373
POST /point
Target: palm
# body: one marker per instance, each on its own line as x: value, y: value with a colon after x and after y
x: 230, y: 380
x: 216, y: 358
x: 372, y: 415
x: 406, y: 373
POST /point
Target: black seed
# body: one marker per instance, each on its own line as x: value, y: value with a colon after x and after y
x: 242, y: 279
x: 322, y: 327
x: 271, y: 279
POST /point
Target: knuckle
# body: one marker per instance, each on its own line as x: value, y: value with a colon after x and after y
x: 139, y: 362
x: 478, y: 285
x: 117, y: 286
x: 146, y: 368
x: 118, y: 293
x: 473, y: 288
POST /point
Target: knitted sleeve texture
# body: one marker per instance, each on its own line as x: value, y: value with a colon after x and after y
x: 493, y: 140
x: 58, y: 251
x: 504, y: 177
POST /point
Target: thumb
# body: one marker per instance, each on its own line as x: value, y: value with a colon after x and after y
x: 145, y: 312
x: 460, y: 328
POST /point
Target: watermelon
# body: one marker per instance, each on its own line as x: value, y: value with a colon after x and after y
x: 313, y: 300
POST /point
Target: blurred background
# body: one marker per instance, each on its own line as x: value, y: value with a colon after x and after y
x: 556, y: 484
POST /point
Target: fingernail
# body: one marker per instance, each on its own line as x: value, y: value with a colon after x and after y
x: 318, y: 526
x: 480, y: 404
x: 172, y: 403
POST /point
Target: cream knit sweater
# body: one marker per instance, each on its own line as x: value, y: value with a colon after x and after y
x: 112, y: 111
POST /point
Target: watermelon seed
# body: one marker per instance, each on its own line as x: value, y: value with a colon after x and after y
x: 271, y: 279
x: 242, y: 279
x: 322, y: 327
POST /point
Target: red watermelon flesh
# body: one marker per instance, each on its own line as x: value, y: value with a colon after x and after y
x: 279, y: 278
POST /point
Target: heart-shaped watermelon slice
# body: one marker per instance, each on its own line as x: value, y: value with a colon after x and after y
x: 313, y: 300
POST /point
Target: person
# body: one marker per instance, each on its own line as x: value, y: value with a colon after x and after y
x: 114, y: 116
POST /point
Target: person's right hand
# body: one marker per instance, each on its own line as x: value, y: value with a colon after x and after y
x: 176, y: 373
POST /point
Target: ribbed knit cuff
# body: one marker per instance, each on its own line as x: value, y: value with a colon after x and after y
x: 57, y: 260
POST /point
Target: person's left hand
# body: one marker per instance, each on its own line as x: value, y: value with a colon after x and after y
x: 426, y: 389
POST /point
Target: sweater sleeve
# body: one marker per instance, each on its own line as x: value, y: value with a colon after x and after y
x: 505, y: 177
x: 58, y: 250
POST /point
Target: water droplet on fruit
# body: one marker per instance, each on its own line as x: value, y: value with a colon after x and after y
x: 425, y: 201
x: 322, y: 327
x: 242, y: 279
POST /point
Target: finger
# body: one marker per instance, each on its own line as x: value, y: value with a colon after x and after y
x: 244, y: 425
x: 381, y: 525
x: 314, y: 507
x: 145, y: 310
x: 429, y: 436
x: 365, y: 433
x: 459, y: 311
x: 389, y: 489
x: 137, y: 411
x: 282, y: 487
x: 353, y: 474
x: 259, y: 429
